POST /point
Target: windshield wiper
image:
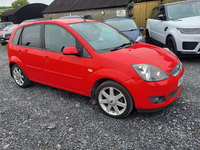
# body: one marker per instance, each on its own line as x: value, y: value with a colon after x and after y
x: 120, y: 46
x: 129, y: 30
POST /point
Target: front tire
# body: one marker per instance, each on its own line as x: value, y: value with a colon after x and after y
x: 114, y: 99
x: 3, y: 43
x: 171, y: 44
x: 20, y: 77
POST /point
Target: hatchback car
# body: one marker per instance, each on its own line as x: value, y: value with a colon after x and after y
x: 6, y: 28
x: 4, y: 24
x: 4, y: 37
x: 99, y: 61
x: 176, y: 25
x: 128, y: 26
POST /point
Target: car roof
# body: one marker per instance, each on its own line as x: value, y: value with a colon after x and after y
x: 74, y: 16
x: 179, y: 2
x: 118, y: 18
x: 65, y: 21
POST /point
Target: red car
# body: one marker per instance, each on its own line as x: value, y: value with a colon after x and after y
x: 91, y: 58
x: 6, y: 28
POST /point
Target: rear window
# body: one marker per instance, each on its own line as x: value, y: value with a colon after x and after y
x: 16, y: 37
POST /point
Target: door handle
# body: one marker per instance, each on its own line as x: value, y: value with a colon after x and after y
x: 19, y: 52
x: 47, y: 58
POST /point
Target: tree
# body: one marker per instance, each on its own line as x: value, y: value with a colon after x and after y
x: 20, y: 3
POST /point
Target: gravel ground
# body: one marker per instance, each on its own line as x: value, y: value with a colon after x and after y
x: 42, y: 117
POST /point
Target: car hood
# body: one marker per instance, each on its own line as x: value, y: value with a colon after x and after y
x: 190, y: 22
x: 145, y: 53
x: 132, y: 34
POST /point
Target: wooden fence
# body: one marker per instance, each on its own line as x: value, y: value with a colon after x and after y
x: 141, y: 12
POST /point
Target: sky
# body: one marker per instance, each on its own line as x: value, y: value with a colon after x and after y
x: 9, y: 2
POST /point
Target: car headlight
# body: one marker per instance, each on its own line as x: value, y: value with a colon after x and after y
x: 177, y: 69
x: 189, y: 30
x: 7, y: 37
x: 139, y: 38
x: 150, y: 73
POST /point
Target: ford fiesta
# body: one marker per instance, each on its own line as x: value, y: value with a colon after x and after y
x: 91, y: 58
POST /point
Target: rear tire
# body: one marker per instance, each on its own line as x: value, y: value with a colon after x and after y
x: 20, y: 77
x: 114, y: 99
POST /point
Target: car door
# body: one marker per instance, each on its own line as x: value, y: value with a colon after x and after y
x: 30, y: 53
x: 160, y: 26
x: 152, y: 21
x: 63, y: 71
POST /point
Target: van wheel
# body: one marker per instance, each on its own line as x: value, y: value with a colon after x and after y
x: 171, y: 44
x: 20, y: 77
x: 114, y: 99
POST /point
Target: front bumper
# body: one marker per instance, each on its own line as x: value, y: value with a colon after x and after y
x: 188, y: 43
x: 141, y: 91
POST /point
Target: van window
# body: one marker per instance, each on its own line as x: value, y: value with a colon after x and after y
x: 31, y: 36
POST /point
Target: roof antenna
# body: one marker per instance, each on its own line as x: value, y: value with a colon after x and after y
x: 82, y: 17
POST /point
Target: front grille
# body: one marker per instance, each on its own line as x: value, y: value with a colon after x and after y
x: 189, y: 45
x: 172, y: 94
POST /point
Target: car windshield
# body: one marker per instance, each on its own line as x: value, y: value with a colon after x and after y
x: 100, y: 36
x: 7, y: 27
x: 183, y: 10
x: 12, y: 28
x: 123, y: 24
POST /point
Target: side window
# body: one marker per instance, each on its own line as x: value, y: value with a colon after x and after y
x: 154, y: 13
x: 31, y: 36
x: 16, y: 37
x: 57, y: 37
x: 162, y: 11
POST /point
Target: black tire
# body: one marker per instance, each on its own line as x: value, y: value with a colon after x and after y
x: 3, y: 43
x: 20, y: 77
x: 114, y: 99
x: 171, y: 44
x: 148, y: 38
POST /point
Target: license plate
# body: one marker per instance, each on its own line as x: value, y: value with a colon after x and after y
x: 180, y: 81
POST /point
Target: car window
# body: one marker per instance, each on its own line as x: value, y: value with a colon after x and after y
x: 12, y: 27
x: 16, y: 37
x: 162, y: 11
x: 123, y: 24
x: 31, y: 36
x: 57, y: 37
x: 183, y: 10
x: 2, y: 25
x: 7, y: 27
x: 154, y: 13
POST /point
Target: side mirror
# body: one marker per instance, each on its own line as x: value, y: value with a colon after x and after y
x: 71, y: 50
x: 141, y: 29
x: 161, y: 17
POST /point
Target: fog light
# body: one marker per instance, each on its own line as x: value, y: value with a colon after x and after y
x: 157, y: 99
